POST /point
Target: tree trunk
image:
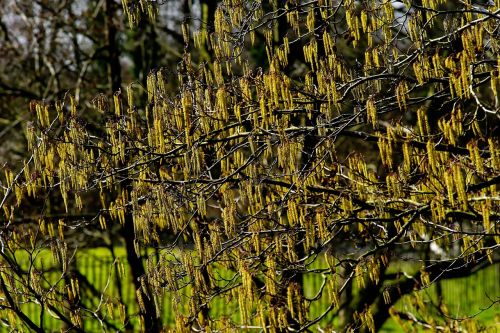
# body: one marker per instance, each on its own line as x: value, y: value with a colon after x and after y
x: 147, y: 311
x: 114, y: 67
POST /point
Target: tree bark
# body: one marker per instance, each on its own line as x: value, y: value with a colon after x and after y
x: 114, y: 67
x: 152, y: 324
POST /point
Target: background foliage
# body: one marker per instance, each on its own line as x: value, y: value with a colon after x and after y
x: 305, y: 164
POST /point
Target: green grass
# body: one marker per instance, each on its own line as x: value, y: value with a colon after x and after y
x: 463, y: 297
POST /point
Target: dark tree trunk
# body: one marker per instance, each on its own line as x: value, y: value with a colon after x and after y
x: 144, y: 298
x: 114, y: 68
x: 152, y: 324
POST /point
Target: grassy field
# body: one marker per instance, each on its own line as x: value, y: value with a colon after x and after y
x: 463, y: 297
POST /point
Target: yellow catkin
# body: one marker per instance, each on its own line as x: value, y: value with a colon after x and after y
x: 448, y: 177
x: 407, y: 157
x: 475, y: 156
x: 431, y: 156
x: 494, y: 154
x: 486, y: 208
x: 371, y: 112
x: 423, y: 124
x: 459, y: 183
